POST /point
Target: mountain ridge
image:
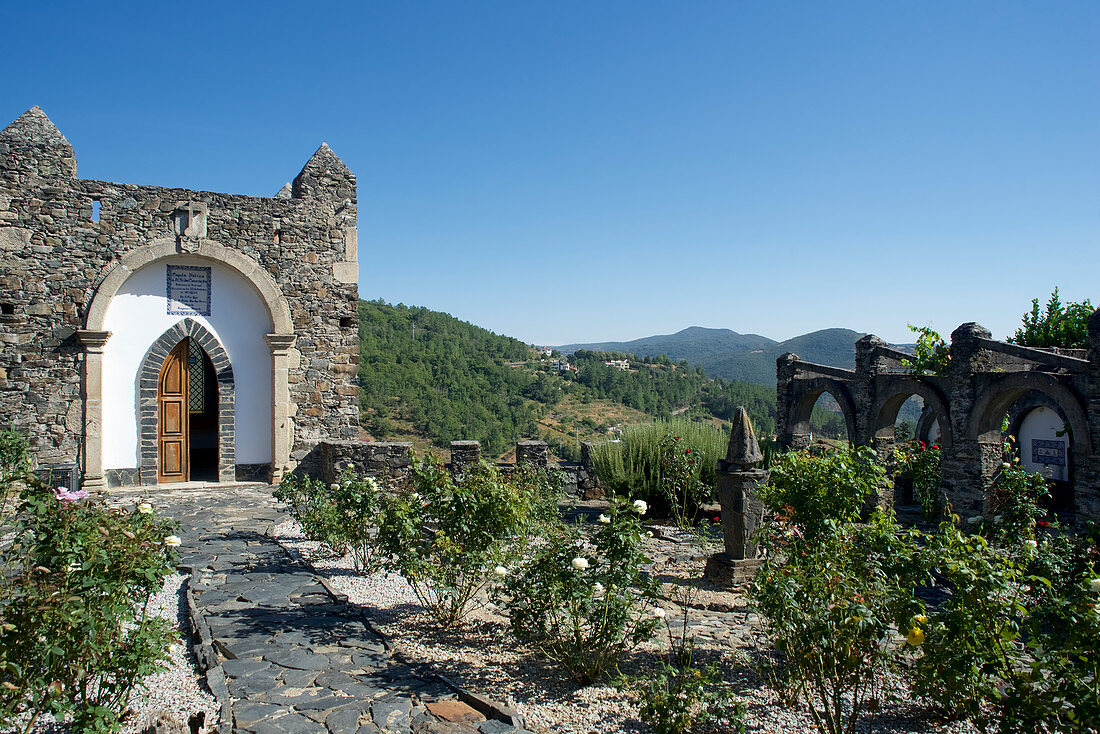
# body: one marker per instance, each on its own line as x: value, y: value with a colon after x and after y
x: 735, y: 356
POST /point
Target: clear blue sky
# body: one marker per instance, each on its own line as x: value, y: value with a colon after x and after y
x: 578, y: 171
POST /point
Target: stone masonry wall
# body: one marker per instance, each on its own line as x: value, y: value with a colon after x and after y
x: 985, y: 379
x: 53, y: 255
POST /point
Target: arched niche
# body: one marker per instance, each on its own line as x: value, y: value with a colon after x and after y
x: 277, y: 339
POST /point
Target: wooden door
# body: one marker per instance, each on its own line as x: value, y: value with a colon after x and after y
x: 172, y: 415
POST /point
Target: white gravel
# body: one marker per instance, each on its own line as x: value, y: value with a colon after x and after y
x: 178, y: 690
x: 482, y: 656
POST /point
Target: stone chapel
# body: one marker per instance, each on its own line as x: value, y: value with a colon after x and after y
x: 155, y: 335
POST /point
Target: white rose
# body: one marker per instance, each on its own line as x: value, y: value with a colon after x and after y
x: 145, y: 508
x: 1095, y: 585
x: 580, y: 563
x: 1006, y: 465
x: 173, y: 541
x: 334, y: 486
x: 658, y: 613
x: 604, y: 519
x: 640, y: 506
x: 500, y: 571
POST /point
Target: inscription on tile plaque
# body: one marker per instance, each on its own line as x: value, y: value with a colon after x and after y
x: 189, y: 290
x: 1052, y: 453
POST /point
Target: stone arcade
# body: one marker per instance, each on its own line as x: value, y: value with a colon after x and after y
x: 1051, y: 398
x: 151, y: 335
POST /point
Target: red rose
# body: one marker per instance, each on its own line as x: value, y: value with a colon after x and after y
x: 687, y: 451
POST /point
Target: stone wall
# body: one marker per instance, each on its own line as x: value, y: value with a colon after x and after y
x: 986, y: 378
x: 55, y: 256
x: 393, y: 459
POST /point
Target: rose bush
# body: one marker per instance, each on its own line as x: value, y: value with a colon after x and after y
x: 75, y: 637
x: 448, y: 535
x: 582, y: 604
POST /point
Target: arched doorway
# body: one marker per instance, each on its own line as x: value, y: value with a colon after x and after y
x: 187, y: 416
x: 248, y: 318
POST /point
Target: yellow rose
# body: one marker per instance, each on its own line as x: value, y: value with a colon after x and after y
x: 915, y: 637
x: 920, y: 619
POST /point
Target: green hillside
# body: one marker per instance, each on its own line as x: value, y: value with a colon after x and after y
x: 695, y: 344
x: 429, y: 377
x: 744, y: 357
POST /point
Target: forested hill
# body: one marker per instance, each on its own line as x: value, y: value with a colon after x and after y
x: 748, y: 357
x: 428, y: 376
x: 449, y: 379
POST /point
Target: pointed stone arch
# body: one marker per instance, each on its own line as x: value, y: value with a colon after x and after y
x: 148, y: 378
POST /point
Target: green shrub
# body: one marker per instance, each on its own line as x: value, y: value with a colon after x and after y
x: 1057, y: 326
x: 74, y: 634
x: 809, y: 488
x: 920, y: 464
x: 932, y: 353
x: 342, y: 516
x: 1055, y: 686
x: 446, y: 535
x: 969, y: 647
x: 634, y: 467
x: 582, y: 605
x: 834, y: 601
x: 1016, y: 501
x: 677, y: 700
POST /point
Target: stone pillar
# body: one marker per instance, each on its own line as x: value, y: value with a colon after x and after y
x: 93, y: 478
x: 588, y: 482
x: 869, y: 363
x: 1087, y: 485
x: 784, y: 403
x: 464, y: 454
x: 536, y: 453
x: 282, y: 429
x: 738, y: 477
x: 969, y: 464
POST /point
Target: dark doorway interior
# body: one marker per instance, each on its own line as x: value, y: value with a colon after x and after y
x: 202, y: 403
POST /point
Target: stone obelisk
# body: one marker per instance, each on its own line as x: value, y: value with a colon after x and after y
x: 738, y: 477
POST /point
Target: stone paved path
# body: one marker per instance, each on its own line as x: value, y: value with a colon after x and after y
x: 283, y: 654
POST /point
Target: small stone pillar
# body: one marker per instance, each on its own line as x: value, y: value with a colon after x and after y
x: 738, y: 477
x: 463, y: 454
x: 536, y: 453
x: 93, y: 479
x: 588, y: 482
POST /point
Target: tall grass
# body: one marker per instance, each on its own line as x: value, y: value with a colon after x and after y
x: 631, y: 467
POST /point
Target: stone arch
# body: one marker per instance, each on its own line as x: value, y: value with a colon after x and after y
x: 923, y: 430
x: 160, y: 249
x: 93, y: 338
x: 890, y: 398
x: 998, y: 396
x: 806, y: 393
x: 148, y: 377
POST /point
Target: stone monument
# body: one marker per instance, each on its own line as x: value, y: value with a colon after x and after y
x: 738, y: 477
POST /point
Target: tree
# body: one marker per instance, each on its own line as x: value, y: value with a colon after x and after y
x: 1059, y: 326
